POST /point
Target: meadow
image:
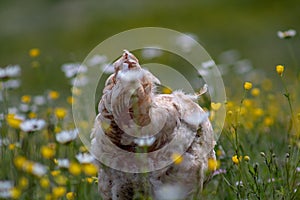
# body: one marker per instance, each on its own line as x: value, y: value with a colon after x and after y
x: 42, y: 156
x: 44, y: 42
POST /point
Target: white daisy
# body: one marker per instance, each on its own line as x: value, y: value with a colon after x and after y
x: 208, y: 64
x: 63, y: 163
x: 10, y: 71
x: 66, y: 136
x: 72, y: 69
x: 79, y: 81
x: 186, y: 42
x: 5, y: 187
x: 32, y: 125
x: 39, y: 169
x: 96, y: 60
x: 39, y: 100
x: 11, y: 84
x: 13, y: 71
x: 286, y: 34
x: 84, y: 158
x: 24, y: 107
x: 151, y: 52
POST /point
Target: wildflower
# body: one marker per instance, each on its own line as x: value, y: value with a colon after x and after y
x: 219, y: 171
x: 239, y: 183
x: 212, y: 164
x: 11, y: 146
x: 39, y: 100
x: 32, y: 125
x: 11, y: 84
x: 70, y: 100
x: 74, y: 168
x: 286, y: 34
x: 53, y: 95
x: 26, y: 99
x: 15, y: 193
x: 220, y: 152
x: 60, y: 179
x: 230, y: 113
x: 235, y: 159
x: 91, y: 179
x: 60, y: 113
x: 246, y: 158
x: 55, y: 173
x: 247, y: 85
x: 177, y: 158
x: 151, y: 52
x: 48, y: 197
x: 63, y: 163
x: 14, y: 120
x: 24, y: 107
x: 58, y: 192
x: 44, y: 182
x: 255, y: 92
x: 11, y: 71
x: 39, y: 169
x: 47, y: 152
x: 72, y: 69
x: 79, y: 81
x: 268, y: 121
x: 89, y: 169
x: 32, y: 115
x: 5, y: 187
x: 76, y: 91
x: 258, y: 112
x: 70, y: 196
x: 66, y: 136
x: 19, y: 161
x: 35, y: 52
x: 247, y: 102
x: 84, y: 158
x: 262, y: 154
x: 23, y: 182
x: 280, y: 69
x: 271, y: 180
x: 57, y: 129
x: 215, y: 106
x: 186, y: 42
x: 97, y: 60
x: 208, y: 64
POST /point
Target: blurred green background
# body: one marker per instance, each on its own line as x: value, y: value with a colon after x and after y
x: 66, y: 31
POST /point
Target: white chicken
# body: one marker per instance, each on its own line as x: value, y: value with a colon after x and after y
x: 135, y: 119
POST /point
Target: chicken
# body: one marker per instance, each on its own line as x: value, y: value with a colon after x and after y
x: 134, y: 120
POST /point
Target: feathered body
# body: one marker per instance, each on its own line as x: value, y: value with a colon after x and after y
x: 129, y: 106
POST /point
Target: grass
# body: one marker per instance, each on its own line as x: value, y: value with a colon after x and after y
x: 257, y: 152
